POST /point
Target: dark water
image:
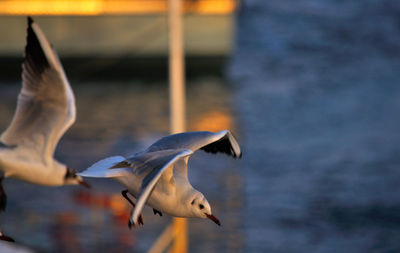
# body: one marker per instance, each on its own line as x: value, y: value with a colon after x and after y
x: 318, y: 100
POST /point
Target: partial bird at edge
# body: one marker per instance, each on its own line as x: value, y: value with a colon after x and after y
x: 45, y: 110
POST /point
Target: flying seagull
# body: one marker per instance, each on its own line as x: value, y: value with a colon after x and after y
x: 158, y: 176
x: 45, y: 110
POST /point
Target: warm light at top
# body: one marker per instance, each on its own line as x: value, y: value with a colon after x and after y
x: 213, y: 121
x: 109, y: 7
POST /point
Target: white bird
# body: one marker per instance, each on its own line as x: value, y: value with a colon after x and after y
x: 45, y: 110
x: 158, y: 176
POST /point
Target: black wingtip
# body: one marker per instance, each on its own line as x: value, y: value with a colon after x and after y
x: 223, y: 145
x: 34, y: 54
x: 30, y: 20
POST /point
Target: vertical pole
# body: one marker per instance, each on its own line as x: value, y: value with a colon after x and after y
x: 176, y: 68
x: 177, y: 103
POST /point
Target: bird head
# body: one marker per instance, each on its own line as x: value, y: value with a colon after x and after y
x: 201, y: 208
x: 72, y: 178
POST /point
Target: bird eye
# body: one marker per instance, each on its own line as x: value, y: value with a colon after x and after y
x: 201, y: 206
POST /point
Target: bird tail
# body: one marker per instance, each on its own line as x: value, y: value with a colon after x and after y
x: 105, y: 168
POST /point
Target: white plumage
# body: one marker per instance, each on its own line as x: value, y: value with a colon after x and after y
x: 158, y: 175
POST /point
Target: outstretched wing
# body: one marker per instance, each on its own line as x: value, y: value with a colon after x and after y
x: 150, y: 165
x: 154, y: 164
x: 46, y: 103
x: 108, y: 167
x: 220, y: 142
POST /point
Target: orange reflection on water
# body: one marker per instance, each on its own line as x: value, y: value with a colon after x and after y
x: 92, y: 200
x: 116, y: 204
x: 64, y: 234
x: 103, y: 205
x: 120, y: 208
x: 212, y: 121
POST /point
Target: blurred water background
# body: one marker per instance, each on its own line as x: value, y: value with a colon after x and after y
x: 311, y: 90
x: 318, y: 99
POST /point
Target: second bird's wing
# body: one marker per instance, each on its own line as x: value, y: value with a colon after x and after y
x: 220, y: 142
x: 107, y: 168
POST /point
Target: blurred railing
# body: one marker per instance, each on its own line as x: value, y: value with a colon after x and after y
x: 110, y: 7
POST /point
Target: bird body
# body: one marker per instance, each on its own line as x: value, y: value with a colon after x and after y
x: 165, y: 197
x: 19, y: 164
x: 158, y: 175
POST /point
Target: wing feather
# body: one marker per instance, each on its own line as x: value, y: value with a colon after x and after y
x: 227, y: 144
x: 106, y: 168
x: 46, y: 103
x: 220, y: 142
